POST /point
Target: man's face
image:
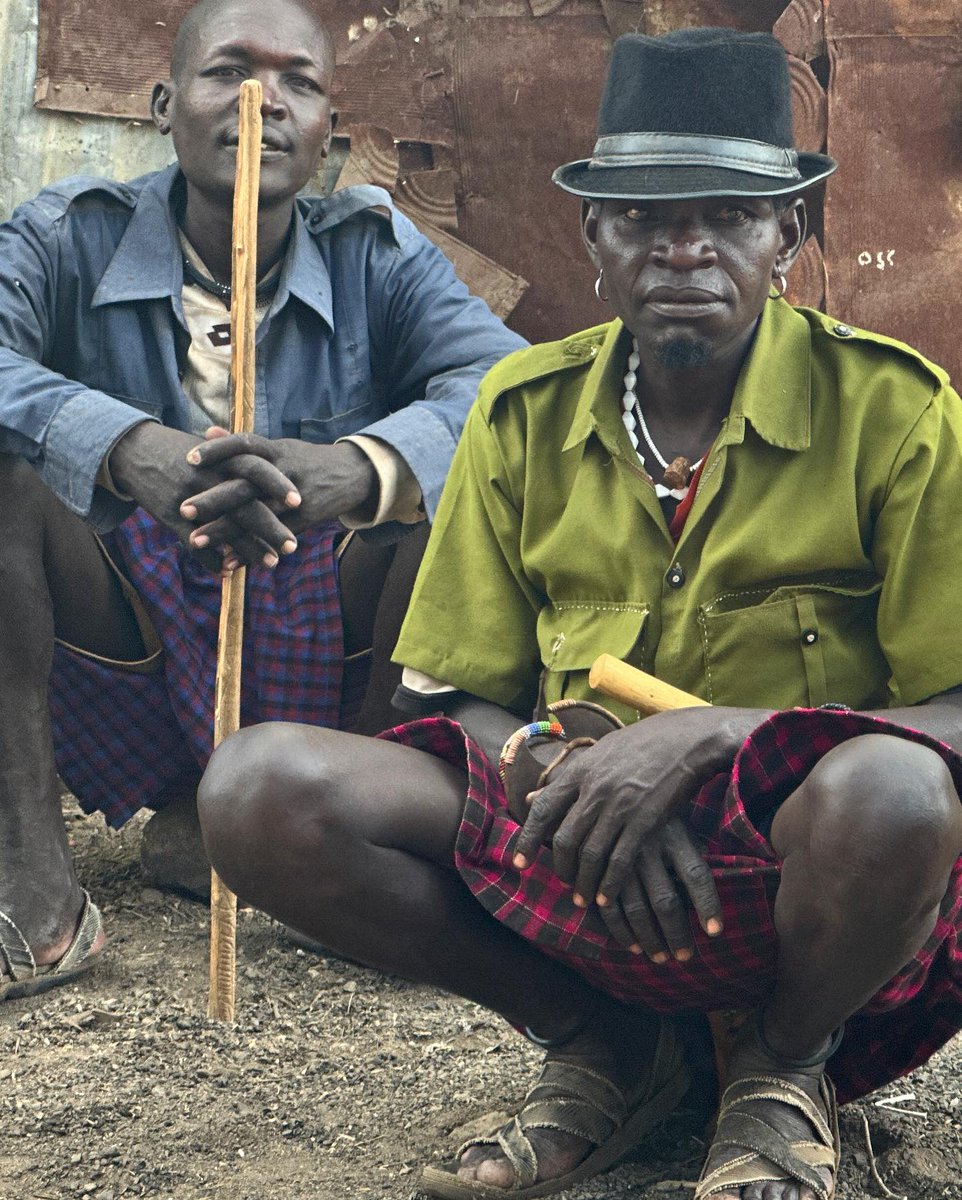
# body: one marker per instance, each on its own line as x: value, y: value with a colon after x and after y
x: 286, y: 50
x: 690, y: 277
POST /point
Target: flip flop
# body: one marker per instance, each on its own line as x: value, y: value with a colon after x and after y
x: 579, y: 1101
x: 19, y: 974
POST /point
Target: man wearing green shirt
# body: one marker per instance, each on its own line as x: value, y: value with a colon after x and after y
x: 755, y: 503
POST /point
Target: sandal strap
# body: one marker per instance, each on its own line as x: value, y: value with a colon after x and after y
x: 88, y: 930
x: 18, y: 960
x: 568, y: 1098
x: 783, y: 1091
x: 768, y: 1155
x: 519, y: 1152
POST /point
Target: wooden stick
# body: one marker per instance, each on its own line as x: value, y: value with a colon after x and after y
x: 230, y: 637
x: 637, y: 689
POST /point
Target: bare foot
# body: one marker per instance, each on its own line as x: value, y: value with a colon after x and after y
x: 620, y: 1046
x: 749, y: 1059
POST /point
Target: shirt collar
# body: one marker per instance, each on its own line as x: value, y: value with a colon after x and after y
x: 773, y: 390
x: 147, y: 262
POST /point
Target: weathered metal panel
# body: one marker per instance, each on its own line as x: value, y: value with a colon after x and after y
x: 514, y: 126
x: 103, y: 61
x: 38, y: 147
x: 861, y: 18
x: 893, y: 213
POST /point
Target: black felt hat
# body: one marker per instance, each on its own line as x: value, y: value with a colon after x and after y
x: 697, y: 112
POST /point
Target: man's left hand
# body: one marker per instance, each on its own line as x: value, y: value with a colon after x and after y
x: 616, y: 816
x: 328, y: 481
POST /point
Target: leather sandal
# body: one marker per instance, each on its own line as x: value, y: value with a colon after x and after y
x: 581, y: 1102
x: 767, y: 1156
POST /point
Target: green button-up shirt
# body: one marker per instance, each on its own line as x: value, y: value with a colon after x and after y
x: 821, y: 559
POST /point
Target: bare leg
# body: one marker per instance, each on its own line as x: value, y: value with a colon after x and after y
x: 351, y: 840
x: 868, y: 842
x: 52, y: 577
x: 376, y: 583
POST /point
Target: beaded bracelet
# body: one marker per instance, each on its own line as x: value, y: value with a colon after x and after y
x: 549, y: 729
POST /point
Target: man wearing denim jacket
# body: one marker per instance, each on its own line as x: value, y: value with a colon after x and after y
x: 122, y: 498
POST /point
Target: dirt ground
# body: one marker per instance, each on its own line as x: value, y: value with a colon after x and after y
x: 335, y: 1082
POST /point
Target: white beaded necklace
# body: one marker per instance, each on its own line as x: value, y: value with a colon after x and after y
x: 634, y: 420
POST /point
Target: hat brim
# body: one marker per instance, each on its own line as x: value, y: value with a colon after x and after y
x: 684, y: 183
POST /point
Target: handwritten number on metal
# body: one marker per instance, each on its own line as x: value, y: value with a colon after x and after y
x: 881, y: 259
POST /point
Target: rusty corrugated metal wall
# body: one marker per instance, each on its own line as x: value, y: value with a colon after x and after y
x: 462, y: 108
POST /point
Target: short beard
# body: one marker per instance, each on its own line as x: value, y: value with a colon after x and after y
x: 679, y: 353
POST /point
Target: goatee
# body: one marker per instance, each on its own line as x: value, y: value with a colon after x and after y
x: 679, y: 353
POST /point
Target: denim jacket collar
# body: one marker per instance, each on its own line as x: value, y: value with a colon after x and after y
x: 147, y: 263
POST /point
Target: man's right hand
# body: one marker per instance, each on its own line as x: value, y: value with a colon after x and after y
x: 149, y: 463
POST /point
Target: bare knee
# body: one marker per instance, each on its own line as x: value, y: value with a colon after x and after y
x: 876, y: 809
x: 270, y: 802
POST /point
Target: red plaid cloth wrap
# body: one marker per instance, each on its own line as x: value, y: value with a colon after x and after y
x: 122, y: 737
x: 902, y: 1025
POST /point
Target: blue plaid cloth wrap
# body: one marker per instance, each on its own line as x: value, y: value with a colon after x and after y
x: 122, y: 738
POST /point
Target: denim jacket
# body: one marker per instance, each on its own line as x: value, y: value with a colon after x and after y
x: 370, y: 331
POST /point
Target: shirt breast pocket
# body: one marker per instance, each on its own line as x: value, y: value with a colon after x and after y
x: 571, y: 635
x: 324, y: 430
x: 804, y: 644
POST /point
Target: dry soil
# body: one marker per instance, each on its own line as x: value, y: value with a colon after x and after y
x: 335, y: 1082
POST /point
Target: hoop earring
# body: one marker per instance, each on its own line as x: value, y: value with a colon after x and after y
x: 780, y: 282
x: 601, y: 275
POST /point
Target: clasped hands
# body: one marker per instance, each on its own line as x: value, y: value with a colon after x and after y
x: 239, y: 499
x: 614, y: 815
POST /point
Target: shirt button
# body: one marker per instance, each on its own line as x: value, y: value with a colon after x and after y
x: 676, y: 576
x: 844, y: 331
x: 809, y: 637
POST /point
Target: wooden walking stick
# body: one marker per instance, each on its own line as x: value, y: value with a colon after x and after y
x: 230, y: 636
x: 650, y: 695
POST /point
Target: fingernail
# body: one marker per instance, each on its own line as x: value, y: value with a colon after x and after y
x: 520, y: 861
x: 232, y: 564
x: 189, y: 511
x: 289, y: 546
x: 683, y: 955
x: 579, y: 900
x: 292, y: 499
x: 713, y: 927
x: 270, y: 560
x: 193, y: 457
x: 601, y: 900
x: 200, y: 540
x: 634, y: 948
x: 659, y: 957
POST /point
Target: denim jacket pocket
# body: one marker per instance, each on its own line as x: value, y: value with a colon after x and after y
x: 799, y: 644
x: 571, y: 635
